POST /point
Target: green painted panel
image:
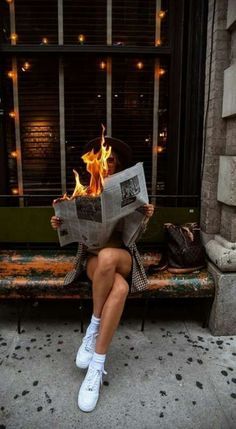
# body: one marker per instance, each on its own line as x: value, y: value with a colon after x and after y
x: 32, y: 224
x: 27, y: 224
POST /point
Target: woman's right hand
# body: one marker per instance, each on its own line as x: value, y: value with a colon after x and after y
x: 56, y: 222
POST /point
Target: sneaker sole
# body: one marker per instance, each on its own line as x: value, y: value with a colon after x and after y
x: 80, y: 365
x: 87, y: 410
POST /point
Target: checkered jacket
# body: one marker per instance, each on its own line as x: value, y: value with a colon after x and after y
x: 139, y: 280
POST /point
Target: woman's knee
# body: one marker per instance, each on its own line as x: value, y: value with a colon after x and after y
x: 120, y: 287
x: 107, y: 260
x: 91, y: 266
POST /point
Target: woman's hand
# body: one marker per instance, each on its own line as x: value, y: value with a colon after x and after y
x: 148, y: 210
x: 56, y: 222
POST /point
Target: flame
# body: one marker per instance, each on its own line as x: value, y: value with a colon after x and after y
x: 96, y: 165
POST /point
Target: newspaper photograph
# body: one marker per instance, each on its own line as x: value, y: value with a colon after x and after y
x: 91, y: 220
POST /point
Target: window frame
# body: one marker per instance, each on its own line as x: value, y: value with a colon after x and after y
x: 179, y: 13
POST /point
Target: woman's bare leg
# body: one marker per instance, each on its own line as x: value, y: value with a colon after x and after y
x: 102, y: 270
x: 111, y: 313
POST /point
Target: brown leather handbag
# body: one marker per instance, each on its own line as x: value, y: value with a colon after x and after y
x: 185, y: 251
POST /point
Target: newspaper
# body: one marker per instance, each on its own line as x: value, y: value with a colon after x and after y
x: 91, y: 220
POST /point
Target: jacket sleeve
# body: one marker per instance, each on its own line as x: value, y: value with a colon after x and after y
x: 75, y: 272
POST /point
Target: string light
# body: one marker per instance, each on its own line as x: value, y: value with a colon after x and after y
x: 11, y: 74
x: 139, y: 65
x: 102, y: 65
x: 81, y: 39
x: 162, y: 14
x: 44, y: 40
x: 161, y: 72
x: 26, y: 66
x: 13, y: 37
x: 158, y: 149
x: 14, y: 154
x: 15, y: 191
x: 12, y: 114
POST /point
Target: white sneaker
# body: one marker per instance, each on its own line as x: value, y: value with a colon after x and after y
x: 86, y: 350
x: 89, y: 390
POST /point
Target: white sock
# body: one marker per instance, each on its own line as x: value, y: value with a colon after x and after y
x: 98, y: 360
x: 94, y: 325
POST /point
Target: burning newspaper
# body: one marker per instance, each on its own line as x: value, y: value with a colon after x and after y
x: 91, y: 219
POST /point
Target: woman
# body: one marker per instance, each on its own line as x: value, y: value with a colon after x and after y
x: 115, y: 271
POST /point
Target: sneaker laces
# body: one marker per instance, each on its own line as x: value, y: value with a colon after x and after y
x: 94, y: 377
x: 89, y: 341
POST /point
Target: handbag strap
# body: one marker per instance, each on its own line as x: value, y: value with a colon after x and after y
x: 190, y: 234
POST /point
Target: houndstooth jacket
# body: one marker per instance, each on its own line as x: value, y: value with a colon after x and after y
x: 139, y: 281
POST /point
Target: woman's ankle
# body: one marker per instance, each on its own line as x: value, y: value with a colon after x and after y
x: 100, y: 349
x: 96, y: 315
x: 94, y: 325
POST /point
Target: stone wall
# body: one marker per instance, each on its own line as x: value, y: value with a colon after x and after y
x: 215, y: 126
x: 218, y: 193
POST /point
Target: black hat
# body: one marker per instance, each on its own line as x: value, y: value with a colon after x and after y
x: 123, y: 151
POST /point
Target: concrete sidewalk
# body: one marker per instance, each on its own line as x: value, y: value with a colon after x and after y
x: 174, y: 375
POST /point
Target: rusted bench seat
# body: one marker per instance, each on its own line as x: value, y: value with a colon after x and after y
x: 38, y: 274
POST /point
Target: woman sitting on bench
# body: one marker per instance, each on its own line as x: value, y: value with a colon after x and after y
x: 115, y: 271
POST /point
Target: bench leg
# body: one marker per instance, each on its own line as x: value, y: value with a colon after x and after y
x: 207, y: 311
x: 144, y: 312
x: 81, y: 316
x: 19, y: 308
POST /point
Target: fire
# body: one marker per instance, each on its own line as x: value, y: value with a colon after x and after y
x: 96, y: 165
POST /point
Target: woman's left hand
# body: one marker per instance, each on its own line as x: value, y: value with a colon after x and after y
x: 148, y: 210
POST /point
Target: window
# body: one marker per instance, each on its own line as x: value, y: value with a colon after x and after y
x: 68, y: 67
x: 85, y: 23
x: 135, y: 22
x: 35, y: 21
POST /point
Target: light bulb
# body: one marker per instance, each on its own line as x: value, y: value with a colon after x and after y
x: 12, y: 114
x: 102, y: 65
x: 26, y: 66
x: 13, y: 37
x: 15, y: 191
x: 81, y: 38
x: 11, y: 74
x: 45, y: 40
x: 158, y: 42
x: 161, y: 72
x: 14, y: 154
x: 139, y: 65
x: 162, y: 14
